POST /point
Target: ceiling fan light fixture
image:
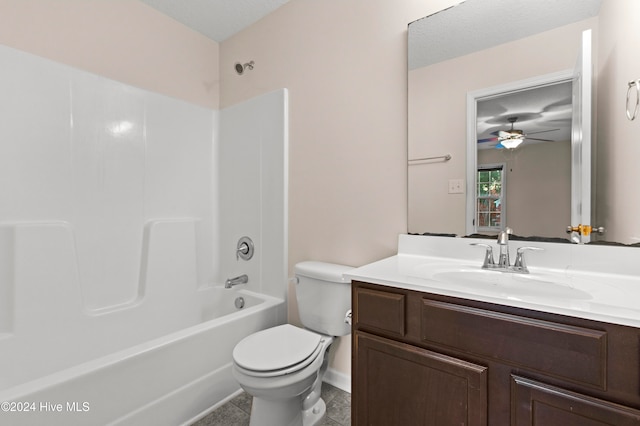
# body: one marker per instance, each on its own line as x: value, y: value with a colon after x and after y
x: 512, y: 143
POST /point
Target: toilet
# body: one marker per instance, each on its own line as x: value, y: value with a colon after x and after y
x: 282, y: 367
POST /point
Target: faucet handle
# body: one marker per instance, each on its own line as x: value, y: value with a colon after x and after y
x: 519, y: 262
x: 244, y: 249
x: 488, y: 255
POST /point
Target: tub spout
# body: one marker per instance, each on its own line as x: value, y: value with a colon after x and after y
x: 242, y: 279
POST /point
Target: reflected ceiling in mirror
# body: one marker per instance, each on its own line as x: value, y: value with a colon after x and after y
x: 542, y: 114
x: 476, y: 25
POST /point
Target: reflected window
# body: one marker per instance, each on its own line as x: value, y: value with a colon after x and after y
x: 490, y: 197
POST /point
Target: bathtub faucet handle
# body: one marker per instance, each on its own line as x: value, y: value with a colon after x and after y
x: 244, y: 249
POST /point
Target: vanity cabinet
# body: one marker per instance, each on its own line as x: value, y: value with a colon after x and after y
x: 427, y: 359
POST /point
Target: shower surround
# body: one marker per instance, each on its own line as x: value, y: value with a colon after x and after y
x: 120, y: 210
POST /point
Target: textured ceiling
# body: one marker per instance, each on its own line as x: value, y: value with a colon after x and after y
x: 216, y: 19
x: 475, y: 25
x: 542, y: 113
x: 479, y: 24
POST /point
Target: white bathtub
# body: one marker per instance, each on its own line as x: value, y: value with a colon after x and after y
x: 110, y: 239
x: 163, y: 380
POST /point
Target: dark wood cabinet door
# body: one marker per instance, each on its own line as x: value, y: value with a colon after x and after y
x: 539, y: 404
x: 400, y: 384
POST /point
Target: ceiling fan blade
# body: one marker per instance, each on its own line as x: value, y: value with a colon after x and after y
x: 543, y: 140
x: 500, y: 146
x: 542, y: 131
x: 487, y: 140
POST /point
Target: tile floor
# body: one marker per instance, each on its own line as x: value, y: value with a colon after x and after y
x: 236, y: 412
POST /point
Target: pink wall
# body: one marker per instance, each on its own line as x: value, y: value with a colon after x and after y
x: 123, y: 40
x: 617, y: 174
x: 345, y: 66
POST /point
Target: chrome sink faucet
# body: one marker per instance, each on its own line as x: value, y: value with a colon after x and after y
x: 242, y: 279
x: 503, y: 242
x: 504, y: 265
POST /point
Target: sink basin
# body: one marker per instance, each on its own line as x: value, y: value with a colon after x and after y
x: 511, y: 285
x: 535, y: 286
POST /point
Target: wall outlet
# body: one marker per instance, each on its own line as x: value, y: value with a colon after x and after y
x: 456, y: 186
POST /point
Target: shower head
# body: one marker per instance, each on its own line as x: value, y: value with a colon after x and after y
x: 241, y: 67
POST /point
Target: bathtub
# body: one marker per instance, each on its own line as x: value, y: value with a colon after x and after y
x: 179, y: 371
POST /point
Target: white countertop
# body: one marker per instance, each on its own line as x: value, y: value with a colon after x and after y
x: 592, y: 282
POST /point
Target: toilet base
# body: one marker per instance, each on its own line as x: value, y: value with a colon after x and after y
x: 313, y: 415
x: 285, y: 413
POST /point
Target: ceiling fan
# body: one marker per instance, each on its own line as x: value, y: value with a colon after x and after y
x: 513, y: 137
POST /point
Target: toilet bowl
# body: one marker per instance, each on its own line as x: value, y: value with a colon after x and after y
x: 282, y: 367
x: 277, y: 378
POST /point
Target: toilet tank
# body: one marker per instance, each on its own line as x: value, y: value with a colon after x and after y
x: 324, y: 297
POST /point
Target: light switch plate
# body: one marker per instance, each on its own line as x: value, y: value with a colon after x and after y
x: 456, y: 186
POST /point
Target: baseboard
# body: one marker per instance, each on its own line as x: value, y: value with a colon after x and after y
x: 340, y: 380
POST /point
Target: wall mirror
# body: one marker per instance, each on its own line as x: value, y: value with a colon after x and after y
x: 469, y: 66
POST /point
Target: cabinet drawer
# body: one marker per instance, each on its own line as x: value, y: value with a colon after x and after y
x: 571, y: 353
x: 379, y: 310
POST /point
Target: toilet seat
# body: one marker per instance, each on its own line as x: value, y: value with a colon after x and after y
x: 277, y: 351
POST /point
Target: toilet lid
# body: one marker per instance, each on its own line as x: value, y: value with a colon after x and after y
x: 275, y: 348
